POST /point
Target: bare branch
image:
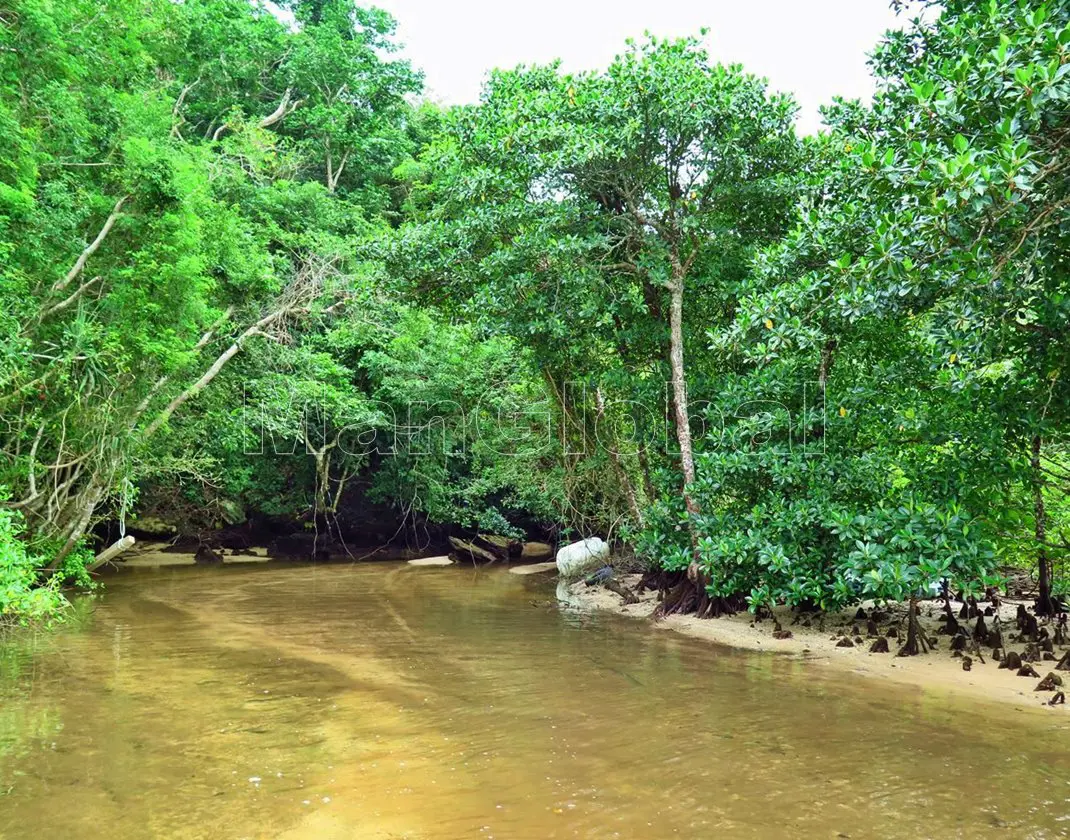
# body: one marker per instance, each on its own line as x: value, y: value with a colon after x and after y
x: 92, y: 248
x: 163, y: 380
x: 176, y: 111
x: 285, y: 108
x: 332, y: 179
x: 63, y: 304
x: 212, y: 371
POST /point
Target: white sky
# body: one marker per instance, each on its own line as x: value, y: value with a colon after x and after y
x: 813, y: 48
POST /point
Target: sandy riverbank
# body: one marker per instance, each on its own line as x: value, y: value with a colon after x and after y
x: 937, y: 671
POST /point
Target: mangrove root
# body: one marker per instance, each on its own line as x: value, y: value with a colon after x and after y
x: 916, y: 642
x: 207, y: 557
x: 686, y: 596
x: 1049, y: 683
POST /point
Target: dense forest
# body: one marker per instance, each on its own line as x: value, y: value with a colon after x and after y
x: 247, y: 272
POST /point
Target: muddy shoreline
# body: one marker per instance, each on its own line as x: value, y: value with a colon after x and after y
x: 938, y: 672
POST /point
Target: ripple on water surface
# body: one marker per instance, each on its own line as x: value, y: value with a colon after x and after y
x: 367, y: 702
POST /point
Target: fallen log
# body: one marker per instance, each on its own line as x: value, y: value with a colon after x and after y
x: 614, y: 585
x: 111, y: 553
x: 471, y: 551
x: 501, y: 547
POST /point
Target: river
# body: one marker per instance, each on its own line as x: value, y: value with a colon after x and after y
x: 379, y: 701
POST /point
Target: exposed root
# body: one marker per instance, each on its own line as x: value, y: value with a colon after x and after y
x: 652, y: 579
x: 916, y: 641
x: 1061, y: 631
x: 682, y: 596
x: 1049, y: 683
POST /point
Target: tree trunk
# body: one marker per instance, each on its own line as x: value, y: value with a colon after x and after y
x: 87, y: 507
x: 618, y: 467
x: 323, y: 479
x: 1045, y: 604
x: 682, y: 423
x: 828, y: 353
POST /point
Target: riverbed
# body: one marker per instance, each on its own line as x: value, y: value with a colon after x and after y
x: 361, y: 702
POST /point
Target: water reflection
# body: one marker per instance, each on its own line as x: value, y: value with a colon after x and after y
x: 392, y: 702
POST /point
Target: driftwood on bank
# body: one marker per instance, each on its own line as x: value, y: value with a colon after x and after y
x: 472, y: 552
x: 614, y: 585
x: 504, y: 548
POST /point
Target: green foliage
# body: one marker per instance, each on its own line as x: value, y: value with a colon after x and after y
x: 206, y: 211
x: 178, y: 182
x: 473, y: 446
x: 557, y: 210
x: 919, y: 300
x: 21, y: 599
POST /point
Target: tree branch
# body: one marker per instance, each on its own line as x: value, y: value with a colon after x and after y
x: 92, y: 247
x: 63, y: 304
x: 285, y: 108
x: 163, y: 380
x: 212, y: 371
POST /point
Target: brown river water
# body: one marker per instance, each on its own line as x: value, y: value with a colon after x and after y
x: 380, y: 701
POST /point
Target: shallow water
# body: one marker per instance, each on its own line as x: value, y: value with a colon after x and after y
x: 376, y: 701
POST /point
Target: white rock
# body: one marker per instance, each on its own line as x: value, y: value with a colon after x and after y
x: 580, y: 557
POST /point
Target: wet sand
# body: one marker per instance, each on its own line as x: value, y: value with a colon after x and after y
x: 936, y: 672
